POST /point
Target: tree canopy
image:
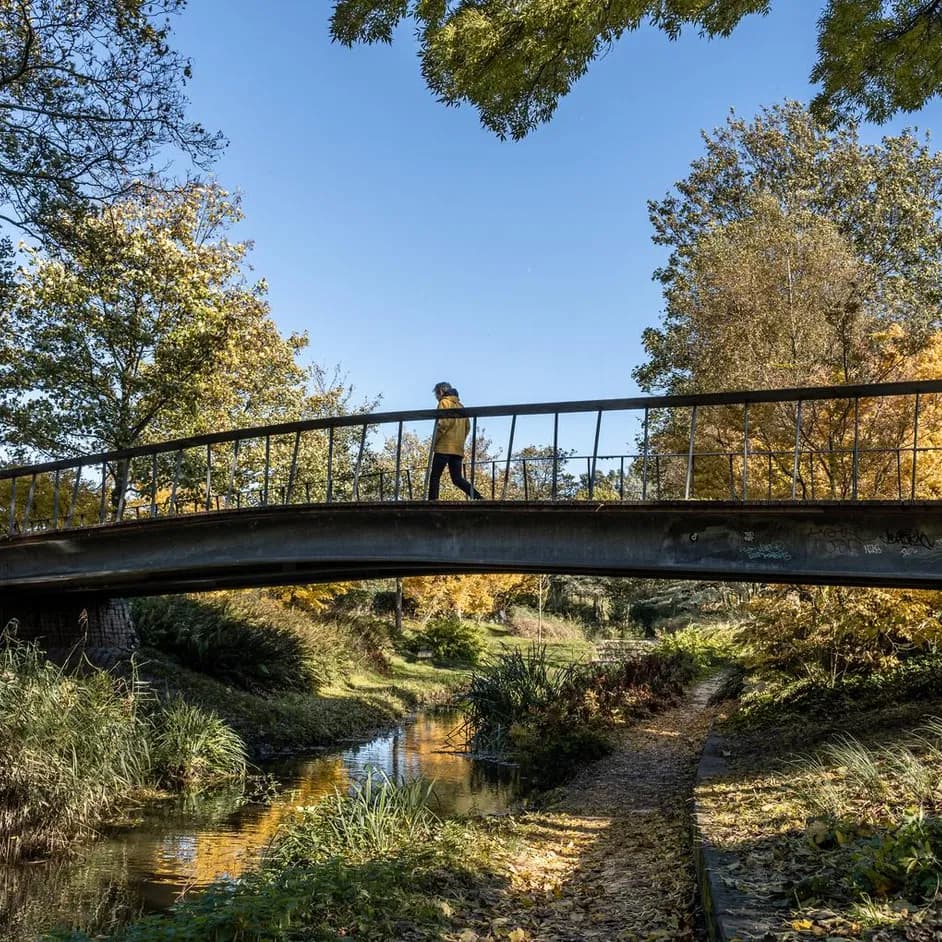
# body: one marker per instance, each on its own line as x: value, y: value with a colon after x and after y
x: 90, y: 92
x: 797, y: 255
x: 514, y: 59
x: 144, y: 328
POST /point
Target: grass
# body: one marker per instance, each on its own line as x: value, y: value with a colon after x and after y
x: 71, y: 749
x: 374, y: 865
x: 191, y: 747
x: 77, y: 746
x: 289, y: 721
x: 835, y: 824
x: 379, y: 819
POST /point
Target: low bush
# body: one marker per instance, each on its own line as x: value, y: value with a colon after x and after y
x: 191, y: 747
x: 709, y: 646
x: 783, y: 700
x: 831, y: 633
x: 508, y: 688
x: 241, y: 638
x: 450, y: 640
x: 905, y: 860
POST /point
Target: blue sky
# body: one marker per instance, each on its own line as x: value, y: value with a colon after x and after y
x: 414, y: 246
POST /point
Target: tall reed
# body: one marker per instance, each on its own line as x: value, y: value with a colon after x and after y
x: 71, y: 748
x: 380, y: 817
x: 510, y: 687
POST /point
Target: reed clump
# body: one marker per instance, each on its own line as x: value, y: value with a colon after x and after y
x: 75, y: 747
x: 72, y: 748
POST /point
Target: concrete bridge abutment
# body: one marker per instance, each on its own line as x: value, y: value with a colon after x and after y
x: 67, y: 628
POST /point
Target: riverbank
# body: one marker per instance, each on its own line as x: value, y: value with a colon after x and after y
x: 279, y: 723
x: 610, y: 856
x: 823, y: 819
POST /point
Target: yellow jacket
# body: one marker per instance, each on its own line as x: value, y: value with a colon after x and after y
x: 450, y: 433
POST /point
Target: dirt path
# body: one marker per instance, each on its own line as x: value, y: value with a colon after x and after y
x: 612, y: 859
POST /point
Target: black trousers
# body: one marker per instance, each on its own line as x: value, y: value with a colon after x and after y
x: 454, y: 464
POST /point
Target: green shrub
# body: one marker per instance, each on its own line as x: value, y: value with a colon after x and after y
x: 71, y: 749
x: 241, y: 638
x: 906, y: 860
x: 450, y: 640
x: 550, y: 719
x: 914, y: 679
x: 709, y: 646
x: 190, y: 747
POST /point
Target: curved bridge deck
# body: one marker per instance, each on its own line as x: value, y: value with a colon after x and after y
x: 874, y: 543
x: 828, y: 484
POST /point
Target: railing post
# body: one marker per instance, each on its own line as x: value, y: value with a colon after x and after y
x: 55, y: 500
x: 474, y: 452
x: 233, y: 466
x: 30, y: 494
x: 431, y: 457
x: 209, y: 478
x: 526, y: 481
x: 510, y: 451
x: 398, y: 462
x: 358, y: 465
x: 644, y: 459
x: 153, y: 484
x: 74, y: 500
x: 104, y: 480
x: 176, y: 481
x: 292, y: 471
x: 555, y: 492
x: 745, y: 453
x: 595, y: 454
x: 797, y: 452
x: 267, y: 470
x: 621, y: 479
x: 12, y: 528
x: 853, y: 473
x: 912, y: 493
x: 330, y: 465
x: 693, y: 429
x: 409, y: 482
x: 124, y: 472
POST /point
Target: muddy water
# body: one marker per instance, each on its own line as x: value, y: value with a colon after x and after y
x: 177, y: 845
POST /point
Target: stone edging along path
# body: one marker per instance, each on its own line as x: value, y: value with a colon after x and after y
x: 726, y: 919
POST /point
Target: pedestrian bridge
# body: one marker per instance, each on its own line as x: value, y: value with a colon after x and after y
x: 839, y: 484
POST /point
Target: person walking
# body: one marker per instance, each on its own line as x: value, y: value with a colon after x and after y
x: 448, y: 447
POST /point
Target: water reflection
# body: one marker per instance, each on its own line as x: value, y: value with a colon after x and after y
x: 187, y: 843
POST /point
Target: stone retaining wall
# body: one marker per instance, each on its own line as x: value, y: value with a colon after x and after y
x: 99, y: 628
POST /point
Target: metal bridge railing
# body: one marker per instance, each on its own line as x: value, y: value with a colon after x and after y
x: 865, y: 442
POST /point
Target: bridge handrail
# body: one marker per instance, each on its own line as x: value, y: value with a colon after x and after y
x: 636, y: 403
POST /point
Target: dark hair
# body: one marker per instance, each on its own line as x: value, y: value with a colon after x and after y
x: 445, y: 389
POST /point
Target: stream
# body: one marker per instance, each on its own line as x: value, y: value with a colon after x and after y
x: 185, y: 843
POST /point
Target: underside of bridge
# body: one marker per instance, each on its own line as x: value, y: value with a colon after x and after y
x: 860, y: 543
